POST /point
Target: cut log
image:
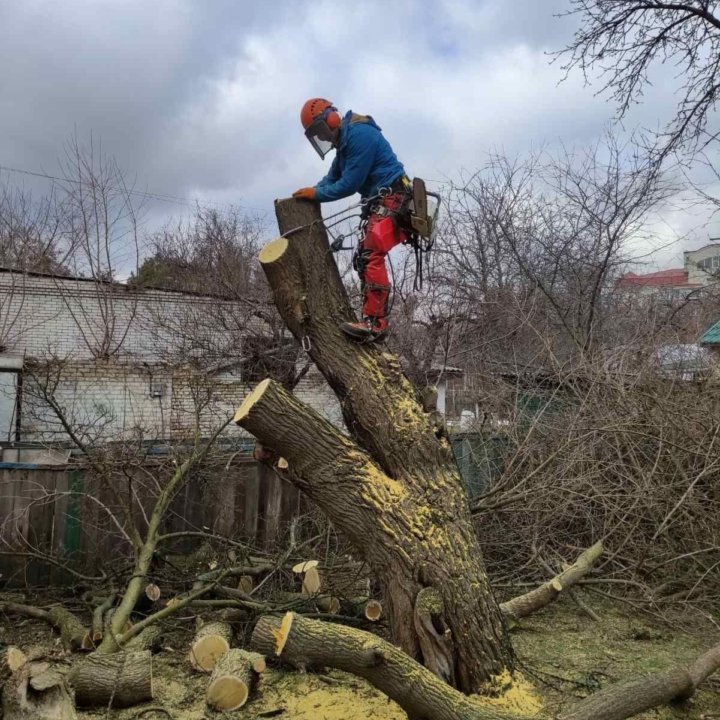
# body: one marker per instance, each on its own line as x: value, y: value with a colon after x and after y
x: 37, y: 692
x: 392, y: 487
x: 304, y: 566
x: 328, y: 604
x: 311, y: 582
x: 538, y: 598
x: 211, y: 642
x: 367, y: 608
x: 312, y: 643
x: 246, y: 584
x: 117, y: 680
x: 233, y: 679
x: 152, y: 592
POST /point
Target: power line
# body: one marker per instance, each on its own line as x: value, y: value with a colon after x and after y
x: 147, y: 194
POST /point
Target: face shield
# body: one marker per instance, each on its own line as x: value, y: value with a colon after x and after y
x: 321, y: 137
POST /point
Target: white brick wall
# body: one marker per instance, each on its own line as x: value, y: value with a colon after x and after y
x: 151, y: 335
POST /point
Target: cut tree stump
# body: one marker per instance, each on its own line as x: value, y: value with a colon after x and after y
x: 37, y: 692
x: 391, y: 486
x: 233, y: 679
x: 115, y: 680
x: 210, y: 643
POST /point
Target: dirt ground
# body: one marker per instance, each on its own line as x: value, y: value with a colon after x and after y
x: 563, y: 656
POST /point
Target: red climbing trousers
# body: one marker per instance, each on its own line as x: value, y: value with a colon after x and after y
x: 381, y: 236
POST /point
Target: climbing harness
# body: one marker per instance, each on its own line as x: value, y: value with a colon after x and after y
x: 416, y: 216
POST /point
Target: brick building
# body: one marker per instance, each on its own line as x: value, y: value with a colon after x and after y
x: 119, y: 362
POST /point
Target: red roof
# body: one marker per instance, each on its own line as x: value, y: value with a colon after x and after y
x: 663, y: 278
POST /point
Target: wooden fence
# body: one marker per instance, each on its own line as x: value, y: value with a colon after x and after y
x: 66, y: 512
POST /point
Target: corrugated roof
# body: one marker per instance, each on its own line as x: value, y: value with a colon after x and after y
x: 711, y: 336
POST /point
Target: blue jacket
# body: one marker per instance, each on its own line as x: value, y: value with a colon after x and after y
x: 364, y: 161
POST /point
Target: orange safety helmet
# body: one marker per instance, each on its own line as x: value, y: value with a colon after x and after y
x: 321, y: 120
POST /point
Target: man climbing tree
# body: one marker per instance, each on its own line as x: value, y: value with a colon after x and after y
x: 364, y: 163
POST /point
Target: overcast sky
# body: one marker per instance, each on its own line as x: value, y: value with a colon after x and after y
x: 201, y: 98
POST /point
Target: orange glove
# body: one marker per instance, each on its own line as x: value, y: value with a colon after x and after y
x: 307, y: 193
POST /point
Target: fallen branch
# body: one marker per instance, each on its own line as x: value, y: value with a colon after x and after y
x: 635, y: 696
x: 311, y: 643
x: 306, y: 643
x: 73, y: 633
x: 538, y: 598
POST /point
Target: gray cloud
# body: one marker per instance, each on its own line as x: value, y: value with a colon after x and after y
x: 202, y: 98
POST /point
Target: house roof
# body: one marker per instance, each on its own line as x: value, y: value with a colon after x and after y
x: 121, y: 287
x: 712, y: 335
x: 674, y: 277
x: 714, y: 243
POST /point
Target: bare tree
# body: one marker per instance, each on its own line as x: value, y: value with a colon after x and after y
x: 215, y: 254
x: 31, y: 237
x: 548, y: 237
x: 624, y: 40
x: 100, y: 222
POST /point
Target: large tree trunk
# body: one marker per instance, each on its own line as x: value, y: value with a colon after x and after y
x: 392, y: 486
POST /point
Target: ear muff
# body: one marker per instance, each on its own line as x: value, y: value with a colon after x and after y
x: 333, y: 118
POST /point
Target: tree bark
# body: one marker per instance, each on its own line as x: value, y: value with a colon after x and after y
x: 117, y: 680
x: 400, y: 499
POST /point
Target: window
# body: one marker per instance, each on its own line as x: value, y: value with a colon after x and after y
x: 710, y: 265
x: 10, y: 389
